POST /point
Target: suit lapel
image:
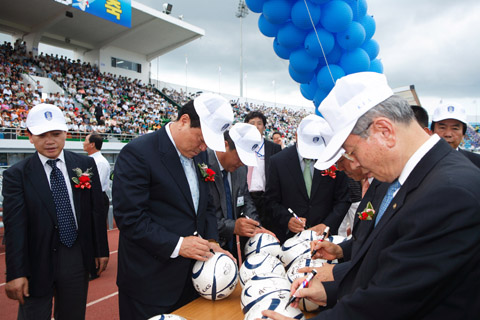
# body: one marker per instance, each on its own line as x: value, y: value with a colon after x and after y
x: 213, y: 163
x: 171, y: 161
x: 35, y: 173
x: 76, y: 192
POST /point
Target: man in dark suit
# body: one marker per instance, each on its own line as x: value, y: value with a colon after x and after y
x: 257, y: 176
x: 323, y: 202
x: 450, y: 123
x: 421, y: 261
x: 234, y: 208
x: 160, y: 202
x: 55, y: 230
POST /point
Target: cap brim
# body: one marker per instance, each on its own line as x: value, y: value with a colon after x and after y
x: 37, y: 130
x: 213, y: 140
x: 247, y: 158
x: 334, y: 145
x: 323, y: 165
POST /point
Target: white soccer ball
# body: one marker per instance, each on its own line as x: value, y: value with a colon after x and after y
x: 260, y: 263
x: 306, y: 235
x: 294, y: 248
x: 292, y: 272
x: 167, y: 317
x: 261, y: 285
x: 275, y: 304
x: 262, y: 242
x: 336, y: 239
x: 215, y: 278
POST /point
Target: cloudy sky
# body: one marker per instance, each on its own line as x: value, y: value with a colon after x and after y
x: 432, y: 44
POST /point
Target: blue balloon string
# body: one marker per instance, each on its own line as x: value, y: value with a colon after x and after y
x: 319, y: 42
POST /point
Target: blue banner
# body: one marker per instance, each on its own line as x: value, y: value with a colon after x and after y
x: 118, y: 11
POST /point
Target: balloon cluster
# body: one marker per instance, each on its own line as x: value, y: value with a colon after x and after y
x: 323, y: 40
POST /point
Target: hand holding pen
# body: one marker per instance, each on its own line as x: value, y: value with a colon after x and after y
x: 322, y: 237
x: 301, y: 222
x: 304, y: 284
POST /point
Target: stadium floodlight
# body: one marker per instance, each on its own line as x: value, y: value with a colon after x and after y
x: 167, y: 8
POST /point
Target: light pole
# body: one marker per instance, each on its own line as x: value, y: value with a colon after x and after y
x: 241, y: 13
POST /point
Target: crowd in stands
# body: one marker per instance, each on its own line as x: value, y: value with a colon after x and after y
x: 103, y: 102
x: 107, y: 103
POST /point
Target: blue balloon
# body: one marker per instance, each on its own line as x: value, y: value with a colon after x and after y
x: 359, y: 8
x: 319, y: 1
x: 333, y: 57
x: 255, y: 5
x: 313, y: 47
x: 277, y: 11
x: 319, y: 96
x: 351, y: 38
x: 302, y: 62
x: 369, y: 25
x: 308, y: 89
x: 300, y: 16
x: 372, y: 48
x: 336, y: 16
x: 290, y: 36
x: 354, y: 61
x: 376, y: 66
x: 281, y: 51
x: 266, y: 28
x: 324, y: 76
x: 300, y: 77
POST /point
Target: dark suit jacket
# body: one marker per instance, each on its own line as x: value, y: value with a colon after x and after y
x: 328, y: 204
x: 422, y: 261
x: 474, y: 157
x: 271, y: 148
x: 239, y: 189
x: 31, y: 227
x: 153, y: 207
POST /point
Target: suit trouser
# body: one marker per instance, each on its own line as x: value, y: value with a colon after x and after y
x: 70, y: 290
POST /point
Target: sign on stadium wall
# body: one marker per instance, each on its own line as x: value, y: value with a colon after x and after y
x: 118, y: 11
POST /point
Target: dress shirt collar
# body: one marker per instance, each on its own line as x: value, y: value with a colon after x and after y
x: 44, y: 159
x: 169, y: 133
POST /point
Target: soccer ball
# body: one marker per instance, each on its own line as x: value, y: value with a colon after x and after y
x: 260, y: 263
x: 275, y: 304
x: 167, y: 317
x: 215, y: 278
x: 262, y: 242
x: 294, y: 248
x: 293, y: 274
x: 261, y: 286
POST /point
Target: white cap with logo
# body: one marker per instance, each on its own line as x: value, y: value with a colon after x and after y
x: 45, y: 117
x: 247, y: 139
x: 352, y: 96
x: 450, y: 111
x: 216, y: 116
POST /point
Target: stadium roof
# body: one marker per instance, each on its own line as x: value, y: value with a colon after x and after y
x: 153, y: 33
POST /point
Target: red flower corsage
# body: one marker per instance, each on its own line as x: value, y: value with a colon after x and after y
x: 367, y: 213
x: 82, y: 180
x: 207, y: 173
x: 332, y: 172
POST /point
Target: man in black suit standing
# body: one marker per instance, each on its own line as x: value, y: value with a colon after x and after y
x: 449, y: 121
x: 421, y: 260
x: 163, y: 209
x: 234, y: 208
x: 317, y: 198
x: 55, y: 230
x: 257, y: 176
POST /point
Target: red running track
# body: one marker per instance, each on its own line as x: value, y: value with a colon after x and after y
x: 102, y: 301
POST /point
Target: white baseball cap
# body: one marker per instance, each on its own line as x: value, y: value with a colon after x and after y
x: 450, y: 111
x: 247, y: 138
x: 351, y: 97
x: 45, y: 117
x: 216, y: 116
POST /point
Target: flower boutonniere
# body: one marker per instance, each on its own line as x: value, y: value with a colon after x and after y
x: 367, y: 213
x: 332, y: 172
x: 82, y: 180
x: 207, y: 173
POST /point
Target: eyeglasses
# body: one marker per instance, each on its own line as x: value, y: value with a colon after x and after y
x: 348, y: 156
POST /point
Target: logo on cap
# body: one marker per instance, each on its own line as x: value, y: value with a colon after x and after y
x: 225, y: 126
x: 48, y: 115
x: 450, y: 109
x: 254, y: 147
x: 316, y: 139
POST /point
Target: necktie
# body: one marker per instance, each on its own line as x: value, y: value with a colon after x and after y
x: 228, y: 196
x: 191, y: 178
x: 307, y: 176
x: 66, y: 221
x: 387, y: 199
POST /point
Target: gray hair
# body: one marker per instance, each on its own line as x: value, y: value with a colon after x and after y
x: 394, y: 108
